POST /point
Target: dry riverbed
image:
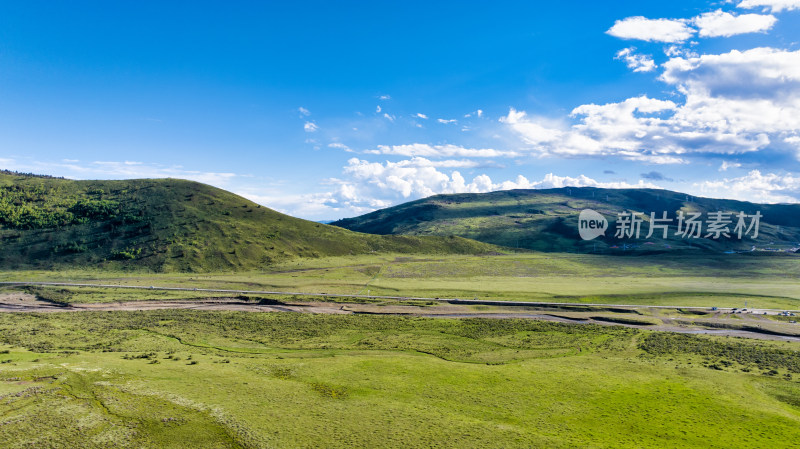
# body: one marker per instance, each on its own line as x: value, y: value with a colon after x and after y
x: 723, y: 324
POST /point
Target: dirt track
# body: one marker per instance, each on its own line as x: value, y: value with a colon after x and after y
x: 27, y: 303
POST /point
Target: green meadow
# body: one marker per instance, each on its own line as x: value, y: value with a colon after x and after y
x: 188, y: 379
x: 236, y: 379
x: 759, y: 281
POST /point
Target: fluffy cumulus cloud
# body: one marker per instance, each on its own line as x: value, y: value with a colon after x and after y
x: 636, y: 62
x: 632, y: 129
x: 733, y: 103
x: 652, y: 30
x: 420, y: 177
x: 710, y: 24
x: 721, y: 23
x: 753, y: 92
x: 771, y: 5
x: 533, y: 131
x: 755, y: 187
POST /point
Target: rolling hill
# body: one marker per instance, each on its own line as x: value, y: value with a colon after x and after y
x: 547, y: 220
x: 169, y: 225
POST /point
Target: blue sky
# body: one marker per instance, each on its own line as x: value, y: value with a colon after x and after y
x: 331, y: 109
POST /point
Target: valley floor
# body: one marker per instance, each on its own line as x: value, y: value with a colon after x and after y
x: 181, y: 378
x: 752, y: 324
x: 180, y: 369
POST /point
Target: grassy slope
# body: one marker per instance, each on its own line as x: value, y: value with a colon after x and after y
x: 169, y: 225
x: 546, y: 220
x: 174, y: 378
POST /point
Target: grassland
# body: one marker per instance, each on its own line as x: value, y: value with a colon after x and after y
x: 205, y: 379
x: 187, y: 379
x: 729, y: 281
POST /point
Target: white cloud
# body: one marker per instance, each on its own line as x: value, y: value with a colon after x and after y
x: 340, y: 146
x: 532, y: 131
x: 440, y: 151
x: 384, y: 97
x: 771, y: 5
x: 420, y: 177
x: 421, y: 115
x: 378, y: 109
x: 303, y: 111
x: 676, y: 50
x: 631, y: 129
x: 794, y: 143
x: 720, y: 23
x: 726, y: 165
x: 388, y: 117
x: 447, y: 122
x: 636, y: 62
x: 733, y: 103
x: 341, y: 202
x: 746, y: 93
x: 652, y: 30
x: 420, y: 162
x: 403, y: 179
x: 452, y: 163
x: 755, y: 187
x: 310, y: 127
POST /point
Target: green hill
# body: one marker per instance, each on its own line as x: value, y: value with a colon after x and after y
x: 169, y: 225
x: 547, y: 220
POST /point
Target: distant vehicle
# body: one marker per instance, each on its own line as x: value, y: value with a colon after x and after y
x: 713, y: 308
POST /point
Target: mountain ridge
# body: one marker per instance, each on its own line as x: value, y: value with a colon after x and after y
x: 170, y: 225
x: 547, y: 219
